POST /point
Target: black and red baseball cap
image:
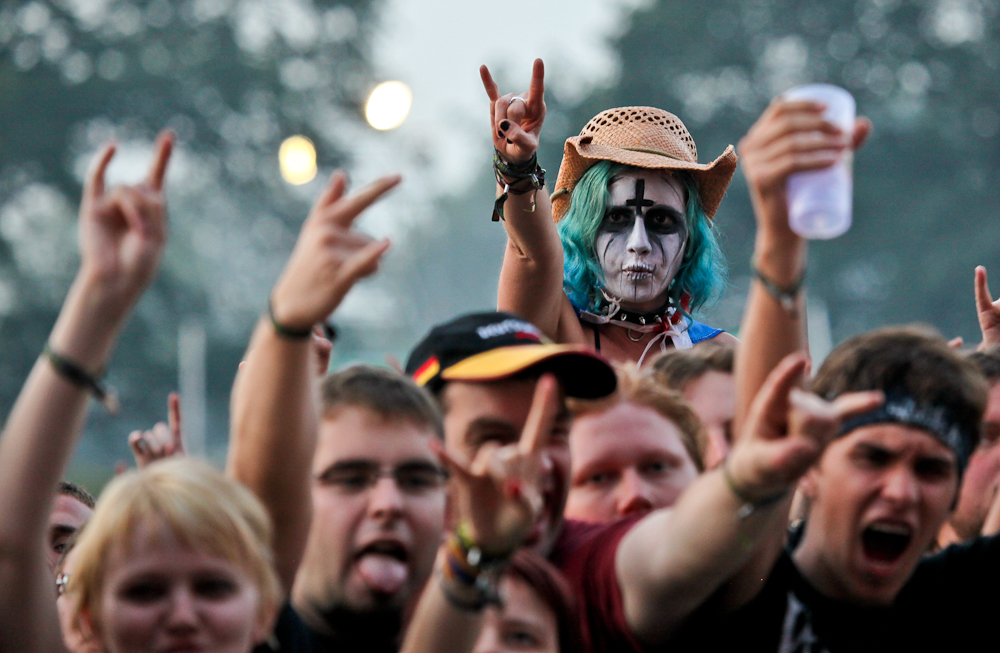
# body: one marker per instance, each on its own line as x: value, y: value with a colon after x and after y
x: 492, y: 346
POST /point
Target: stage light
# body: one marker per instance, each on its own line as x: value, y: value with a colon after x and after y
x: 388, y: 105
x: 297, y: 157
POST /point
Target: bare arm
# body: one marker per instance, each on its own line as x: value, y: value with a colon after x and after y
x: 497, y: 518
x: 532, y: 273
x: 789, y: 137
x: 438, y: 625
x: 531, y: 277
x: 675, y: 559
x: 122, y: 234
x: 274, y: 408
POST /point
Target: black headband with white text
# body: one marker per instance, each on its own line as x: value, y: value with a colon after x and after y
x: 901, y: 408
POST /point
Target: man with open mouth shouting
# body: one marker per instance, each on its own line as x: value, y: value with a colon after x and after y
x: 856, y: 575
x: 626, y: 249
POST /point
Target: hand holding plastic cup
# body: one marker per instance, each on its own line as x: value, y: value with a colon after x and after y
x: 820, y: 202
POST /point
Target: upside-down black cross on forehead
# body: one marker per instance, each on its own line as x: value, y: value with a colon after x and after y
x: 639, y: 201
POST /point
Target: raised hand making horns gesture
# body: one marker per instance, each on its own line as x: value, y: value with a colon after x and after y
x: 122, y: 232
x: 330, y: 256
x: 122, y: 235
x: 516, y: 120
x: 499, y: 494
x: 787, y: 430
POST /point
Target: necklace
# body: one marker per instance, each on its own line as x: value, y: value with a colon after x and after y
x: 663, y: 324
x: 667, y: 312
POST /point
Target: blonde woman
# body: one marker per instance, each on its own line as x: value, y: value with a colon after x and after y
x: 176, y: 557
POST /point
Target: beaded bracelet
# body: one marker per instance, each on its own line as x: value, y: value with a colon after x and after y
x: 465, y: 565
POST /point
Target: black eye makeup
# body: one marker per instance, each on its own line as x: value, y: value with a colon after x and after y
x: 618, y: 217
x: 660, y: 219
x: 664, y: 220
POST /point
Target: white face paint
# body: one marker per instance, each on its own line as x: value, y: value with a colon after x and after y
x: 640, y: 243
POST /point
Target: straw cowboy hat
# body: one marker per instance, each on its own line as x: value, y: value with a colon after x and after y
x: 644, y: 137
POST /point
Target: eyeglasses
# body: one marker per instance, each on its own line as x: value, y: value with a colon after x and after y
x: 410, y: 478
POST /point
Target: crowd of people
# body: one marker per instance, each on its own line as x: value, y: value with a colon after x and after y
x: 588, y: 468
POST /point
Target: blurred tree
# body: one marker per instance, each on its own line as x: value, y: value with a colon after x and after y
x: 232, y: 78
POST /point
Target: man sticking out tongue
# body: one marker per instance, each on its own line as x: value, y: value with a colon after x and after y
x: 383, y: 574
x: 346, y: 470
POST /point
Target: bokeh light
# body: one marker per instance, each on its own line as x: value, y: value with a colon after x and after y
x: 388, y: 105
x: 297, y: 157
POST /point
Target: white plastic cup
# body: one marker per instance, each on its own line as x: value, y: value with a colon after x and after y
x: 820, y: 202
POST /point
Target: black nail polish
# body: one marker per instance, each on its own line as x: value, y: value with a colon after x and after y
x: 510, y: 142
x: 499, y: 134
x: 504, y: 126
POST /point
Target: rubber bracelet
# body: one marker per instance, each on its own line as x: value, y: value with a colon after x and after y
x: 455, y: 569
x: 284, y: 331
x: 75, y: 374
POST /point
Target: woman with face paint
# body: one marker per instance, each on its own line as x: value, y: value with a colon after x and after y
x: 624, y: 250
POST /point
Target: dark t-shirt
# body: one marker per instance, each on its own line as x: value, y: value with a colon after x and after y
x: 585, y: 553
x: 949, y: 604
x: 292, y: 635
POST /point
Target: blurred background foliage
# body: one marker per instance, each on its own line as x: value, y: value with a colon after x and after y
x: 235, y: 77
x: 232, y: 79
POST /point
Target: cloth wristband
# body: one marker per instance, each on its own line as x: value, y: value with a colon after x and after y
x: 284, y: 331
x: 75, y: 374
x: 902, y: 408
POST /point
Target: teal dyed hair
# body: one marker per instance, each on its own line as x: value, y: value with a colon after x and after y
x: 702, y: 273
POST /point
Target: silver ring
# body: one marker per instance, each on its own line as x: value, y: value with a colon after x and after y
x: 516, y: 97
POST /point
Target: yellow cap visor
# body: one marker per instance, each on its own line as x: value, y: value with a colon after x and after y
x: 582, y: 372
